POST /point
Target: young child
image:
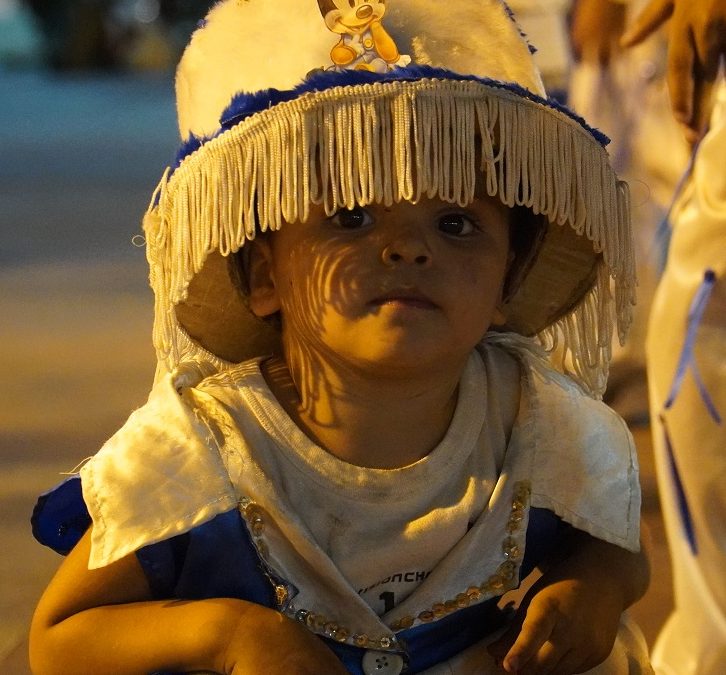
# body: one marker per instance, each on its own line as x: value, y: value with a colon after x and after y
x: 354, y: 447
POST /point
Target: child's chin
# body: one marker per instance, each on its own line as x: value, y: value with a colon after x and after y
x: 411, y: 358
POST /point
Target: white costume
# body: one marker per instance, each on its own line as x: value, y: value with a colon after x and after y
x: 693, y: 641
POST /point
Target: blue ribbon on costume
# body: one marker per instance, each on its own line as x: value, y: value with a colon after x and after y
x: 688, y: 357
x: 662, y: 237
x: 687, y: 360
x: 686, y: 518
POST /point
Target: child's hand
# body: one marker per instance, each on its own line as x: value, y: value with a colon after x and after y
x: 568, y: 621
x: 562, y: 627
x: 271, y: 643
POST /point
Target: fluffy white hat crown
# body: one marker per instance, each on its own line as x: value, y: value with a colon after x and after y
x: 255, y: 45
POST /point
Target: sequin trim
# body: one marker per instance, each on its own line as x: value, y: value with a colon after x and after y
x: 318, y: 623
x: 502, y: 580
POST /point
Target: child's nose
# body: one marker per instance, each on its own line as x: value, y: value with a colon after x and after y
x: 407, y: 249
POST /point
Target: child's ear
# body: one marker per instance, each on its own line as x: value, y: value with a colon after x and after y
x: 263, y: 299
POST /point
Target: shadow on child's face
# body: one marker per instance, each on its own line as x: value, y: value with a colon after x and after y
x: 395, y: 288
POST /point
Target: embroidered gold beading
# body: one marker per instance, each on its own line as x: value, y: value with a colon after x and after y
x: 502, y: 580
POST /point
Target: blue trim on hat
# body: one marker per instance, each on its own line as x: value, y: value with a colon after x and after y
x: 510, y: 13
x: 244, y: 105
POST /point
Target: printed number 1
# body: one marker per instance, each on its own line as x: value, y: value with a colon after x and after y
x: 388, y: 601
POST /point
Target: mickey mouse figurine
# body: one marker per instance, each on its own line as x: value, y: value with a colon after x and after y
x: 364, y: 43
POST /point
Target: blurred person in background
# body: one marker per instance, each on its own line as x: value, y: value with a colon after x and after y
x: 545, y: 24
x: 686, y: 343
x: 677, y: 102
x: 625, y: 93
x: 75, y: 33
x: 110, y: 34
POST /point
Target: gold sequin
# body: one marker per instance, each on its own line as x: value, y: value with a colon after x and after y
x: 473, y: 593
x: 360, y: 640
x: 494, y: 583
x: 512, y: 527
x: 523, y: 490
x: 331, y: 629
x: 281, y: 594
x: 507, y: 569
x: 403, y: 623
x: 319, y: 621
x: 510, y: 548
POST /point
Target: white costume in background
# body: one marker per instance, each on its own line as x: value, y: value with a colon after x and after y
x: 545, y: 24
x: 693, y: 641
x: 628, y: 100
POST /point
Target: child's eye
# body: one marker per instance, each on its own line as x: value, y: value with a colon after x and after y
x: 456, y: 224
x: 352, y: 219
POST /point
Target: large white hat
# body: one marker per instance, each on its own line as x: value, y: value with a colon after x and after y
x: 285, y: 103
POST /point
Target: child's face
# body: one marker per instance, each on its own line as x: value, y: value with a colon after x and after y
x: 406, y: 286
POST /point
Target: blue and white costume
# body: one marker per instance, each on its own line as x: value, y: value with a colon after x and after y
x: 213, y: 478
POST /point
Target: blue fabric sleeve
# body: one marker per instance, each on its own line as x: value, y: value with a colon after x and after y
x: 215, y: 559
x: 545, y: 531
x: 60, y: 517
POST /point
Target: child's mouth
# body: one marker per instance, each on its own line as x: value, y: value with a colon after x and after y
x: 412, y: 300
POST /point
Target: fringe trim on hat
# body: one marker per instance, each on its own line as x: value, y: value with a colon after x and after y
x: 383, y: 143
x: 574, y: 347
